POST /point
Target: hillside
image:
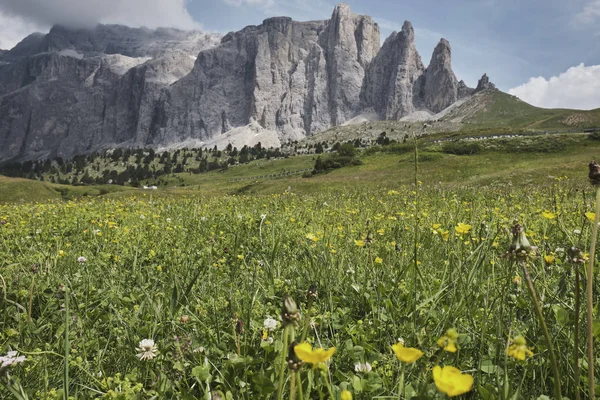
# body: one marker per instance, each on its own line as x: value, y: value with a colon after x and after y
x: 503, y: 161
x: 487, y: 112
x: 26, y: 190
x: 496, y: 109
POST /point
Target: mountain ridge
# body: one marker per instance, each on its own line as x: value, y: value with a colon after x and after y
x: 74, y: 91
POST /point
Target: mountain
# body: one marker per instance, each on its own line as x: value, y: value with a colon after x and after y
x: 74, y: 91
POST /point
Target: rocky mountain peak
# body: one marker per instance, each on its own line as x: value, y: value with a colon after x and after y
x: 485, y: 84
x: 441, y: 85
x: 408, y: 30
x: 73, y: 91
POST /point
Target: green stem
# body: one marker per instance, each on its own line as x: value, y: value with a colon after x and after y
x: 325, y: 372
x: 576, y: 349
x: 67, y: 345
x: 538, y: 311
x: 589, y: 295
x: 401, y: 382
x: 293, y: 387
x: 299, y: 379
x: 283, y: 361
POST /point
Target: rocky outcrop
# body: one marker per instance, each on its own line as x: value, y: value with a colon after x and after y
x: 295, y: 78
x: 440, y: 88
x: 485, y: 84
x: 393, y: 74
x: 463, y: 90
x: 76, y: 91
x: 114, y: 39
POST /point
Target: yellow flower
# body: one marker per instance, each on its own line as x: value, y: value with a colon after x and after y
x: 306, y: 353
x: 548, y: 215
x: 378, y: 260
x: 451, y: 381
x: 445, y: 235
x: 591, y: 216
x: 437, y: 226
x: 406, y: 354
x: 463, y: 229
x: 517, y: 280
x: 449, y: 340
x: 518, y: 349
x: 312, y: 237
x: 359, y: 243
x: 346, y: 395
x: 549, y: 259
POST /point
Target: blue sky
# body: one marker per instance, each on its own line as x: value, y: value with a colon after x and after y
x: 545, y: 51
x: 511, y: 40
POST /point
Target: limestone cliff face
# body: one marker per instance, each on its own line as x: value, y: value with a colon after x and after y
x: 393, y: 74
x: 440, y: 84
x: 77, y: 91
x: 296, y: 78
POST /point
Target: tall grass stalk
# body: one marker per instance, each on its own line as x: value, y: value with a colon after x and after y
x: 67, y: 346
x: 538, y: 310
x: 589, y: 297
x: 576, y: 347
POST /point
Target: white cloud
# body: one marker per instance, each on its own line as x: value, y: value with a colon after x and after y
x: 14, y: 29
x: 590, y: 12
x: 578, y: 87
x: 256, y: 3
x: 81, y: 13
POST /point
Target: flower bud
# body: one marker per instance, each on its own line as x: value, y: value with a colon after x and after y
x: 576, y: 255
x: 520, y: 247
x: 594, y: 174
x: 294, y: 363
x: 289, y: 312
x: 312, y: 291
x: 289, y: 305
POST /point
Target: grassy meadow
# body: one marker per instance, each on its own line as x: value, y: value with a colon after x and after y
x: 405, y: 275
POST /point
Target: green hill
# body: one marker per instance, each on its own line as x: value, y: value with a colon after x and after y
x: 14, y: 190
x: 496, y: 109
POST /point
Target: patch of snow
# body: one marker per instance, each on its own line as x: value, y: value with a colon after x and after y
x: 121, y: 64
x: 71, y: 53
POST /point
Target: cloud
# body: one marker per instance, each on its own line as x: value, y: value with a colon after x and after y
x: 83, y: 13
x: 254, y: 3
x: 590, y: 13
x: 14, y: 29
x: 578, y: 87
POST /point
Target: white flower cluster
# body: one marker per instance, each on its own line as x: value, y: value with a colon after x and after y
x: 11, y: 358
x: 147, y: 350
x: 270, y: 324
x: 363, y: 367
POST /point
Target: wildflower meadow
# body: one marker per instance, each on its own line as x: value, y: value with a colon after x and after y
x: 412, y: 292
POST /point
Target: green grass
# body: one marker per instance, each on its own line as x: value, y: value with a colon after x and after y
x: 503, y: 111
x: 198, y: 268
x: 504, y: 161
x: 14, y: 190
x: 383, y: 255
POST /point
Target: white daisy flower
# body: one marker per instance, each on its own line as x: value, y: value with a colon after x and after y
x: 81, y: 259
x: 146, y: 349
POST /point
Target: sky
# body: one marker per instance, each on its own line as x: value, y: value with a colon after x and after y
x: 547, y: 52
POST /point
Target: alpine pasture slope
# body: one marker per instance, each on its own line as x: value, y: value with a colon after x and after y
x: 390, y: 279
